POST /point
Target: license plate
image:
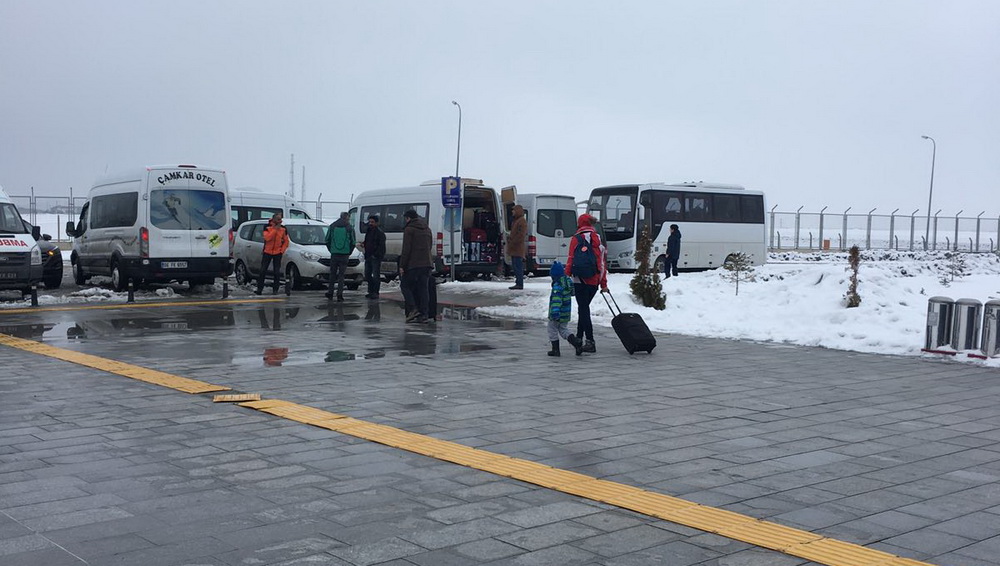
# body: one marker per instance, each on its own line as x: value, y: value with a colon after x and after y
x: 8, y: 275
x: 175, y: 325
x: 174, y: 264
x: 546, y: 260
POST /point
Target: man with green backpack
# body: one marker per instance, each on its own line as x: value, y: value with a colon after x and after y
x: 340, y: 242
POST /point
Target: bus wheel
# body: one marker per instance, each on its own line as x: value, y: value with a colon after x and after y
x: 660, y: 265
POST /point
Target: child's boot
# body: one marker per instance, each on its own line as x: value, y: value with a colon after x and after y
x: 555, y: 348
x: 589, y: 346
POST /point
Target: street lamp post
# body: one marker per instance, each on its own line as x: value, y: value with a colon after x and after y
x: 452, y: 212
x: 458, y: 152
x: 930, y: 194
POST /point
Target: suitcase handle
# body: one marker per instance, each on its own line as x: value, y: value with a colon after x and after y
x: 608, y: 294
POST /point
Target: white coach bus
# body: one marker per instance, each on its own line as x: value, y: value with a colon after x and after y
x: 715, y: 221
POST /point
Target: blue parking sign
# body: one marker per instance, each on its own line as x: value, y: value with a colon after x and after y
x: 451, y: 192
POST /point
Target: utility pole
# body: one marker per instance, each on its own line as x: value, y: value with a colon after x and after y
x: 291, y: 178
x: 303, y: 197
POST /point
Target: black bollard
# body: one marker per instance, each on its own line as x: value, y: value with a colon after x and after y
x: 34, y: 295
x: 288, y: 288
x: 131, y: 292
x: 225, y: 289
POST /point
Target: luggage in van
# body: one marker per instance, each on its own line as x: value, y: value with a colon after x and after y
x: 475, y: 235
x: 631, y: 329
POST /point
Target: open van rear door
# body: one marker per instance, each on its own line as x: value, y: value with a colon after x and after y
x: 508, y: 198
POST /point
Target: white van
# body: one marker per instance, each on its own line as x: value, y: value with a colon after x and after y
x: 20, y: 256
x: 155, y: 224
x: 477, y: 225
x: 251, y: 203
x: 551, y: 223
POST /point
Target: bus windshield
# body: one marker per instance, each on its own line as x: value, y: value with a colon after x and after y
x: 615, y: 209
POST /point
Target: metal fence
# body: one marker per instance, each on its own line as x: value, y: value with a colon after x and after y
x: 869, y: 231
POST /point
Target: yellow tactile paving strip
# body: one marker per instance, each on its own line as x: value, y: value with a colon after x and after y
x: 120, y: 368
x: 795, y: 542
x: 138, y: 305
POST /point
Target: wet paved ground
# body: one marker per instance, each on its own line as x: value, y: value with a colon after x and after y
x: 897, y: 454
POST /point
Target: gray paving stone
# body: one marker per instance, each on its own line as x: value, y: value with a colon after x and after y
x: 889, y: 447
x: 552, y: 534
x: 26, y: 543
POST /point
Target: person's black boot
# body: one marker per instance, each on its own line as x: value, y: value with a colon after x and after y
x: 555, y: 348
x: 577, y: 343
x: 589, y: 347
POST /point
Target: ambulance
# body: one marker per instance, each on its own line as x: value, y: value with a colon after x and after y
x: 20, y: 256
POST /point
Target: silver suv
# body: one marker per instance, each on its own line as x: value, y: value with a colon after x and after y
x: 306, y: 261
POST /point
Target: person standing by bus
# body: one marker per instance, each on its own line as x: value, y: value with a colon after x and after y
x: 374, y: 252
x: 517, y: 245
x: 673, y: 251
x: 276, y: 241
x: 587, y: 267
x: 340, y: 242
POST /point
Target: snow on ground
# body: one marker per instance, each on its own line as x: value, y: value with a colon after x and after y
x: 795, y: 299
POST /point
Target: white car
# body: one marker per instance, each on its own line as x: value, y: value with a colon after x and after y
x: 307, y: 259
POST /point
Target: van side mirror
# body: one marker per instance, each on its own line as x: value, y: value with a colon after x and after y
x: 46, y: 237
x: 36, y: 233
x: 70, y: 229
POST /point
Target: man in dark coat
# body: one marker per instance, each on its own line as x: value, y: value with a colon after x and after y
x: 374, y: 252
x: 415, y: 265
x: 673, y: 251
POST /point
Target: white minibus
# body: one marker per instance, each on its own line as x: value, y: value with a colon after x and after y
x: 155, y: 224
x: 715, y: 221
x: 477, y: 231
x: 251, y: 203
x: 551, y: 222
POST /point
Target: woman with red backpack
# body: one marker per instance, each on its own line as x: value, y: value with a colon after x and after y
x: 587, y: 268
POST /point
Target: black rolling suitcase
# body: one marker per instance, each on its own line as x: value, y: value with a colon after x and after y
x: 631, y: 329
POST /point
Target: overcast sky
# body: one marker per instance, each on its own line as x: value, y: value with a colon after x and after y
x: 815, y: 103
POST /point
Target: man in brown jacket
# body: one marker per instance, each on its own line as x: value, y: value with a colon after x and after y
x: 517, y: 245
x: 415, y: 266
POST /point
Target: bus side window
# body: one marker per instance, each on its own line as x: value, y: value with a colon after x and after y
x: 726, y: 208
x: 666, y: 209
x: 697, y: 208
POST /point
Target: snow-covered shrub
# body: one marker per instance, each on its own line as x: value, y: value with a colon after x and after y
x: 645, y: 284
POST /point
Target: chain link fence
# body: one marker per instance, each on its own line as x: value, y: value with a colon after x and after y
x: 869, y: 231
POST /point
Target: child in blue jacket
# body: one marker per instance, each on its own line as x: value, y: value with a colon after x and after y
x: 560, y: 308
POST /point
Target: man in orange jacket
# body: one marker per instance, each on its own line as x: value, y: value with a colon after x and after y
x: 275, y: 243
